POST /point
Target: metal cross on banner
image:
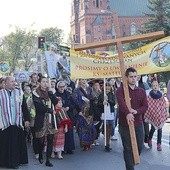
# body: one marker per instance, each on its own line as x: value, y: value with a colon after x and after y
x: 118, y: 42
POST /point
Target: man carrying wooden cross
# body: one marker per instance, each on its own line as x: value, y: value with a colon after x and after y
x: 118, y: 42
x: 139, y: 106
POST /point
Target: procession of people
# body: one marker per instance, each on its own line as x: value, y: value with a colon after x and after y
x: 48, y: 112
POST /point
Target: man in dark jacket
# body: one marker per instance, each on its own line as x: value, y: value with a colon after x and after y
x: 139, y: 106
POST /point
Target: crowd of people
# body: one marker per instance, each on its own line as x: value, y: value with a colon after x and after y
x: 46, y: 111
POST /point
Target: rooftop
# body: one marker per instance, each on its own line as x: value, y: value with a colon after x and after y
x: 130, y: 7
x: 98, y: 20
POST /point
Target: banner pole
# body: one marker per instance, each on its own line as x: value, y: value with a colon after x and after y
x: 104, y: 86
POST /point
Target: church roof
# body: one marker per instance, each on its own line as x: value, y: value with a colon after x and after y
x: 130, y: 7
x: 98, y: 20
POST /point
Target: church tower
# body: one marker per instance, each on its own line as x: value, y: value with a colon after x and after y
x: 90, y: 22
x: 75, y: 26
x: 97, y: 20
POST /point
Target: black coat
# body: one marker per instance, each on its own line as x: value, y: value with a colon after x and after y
x: 25, y: 110
x: 41, y: 109
x: 111, y: 101
x: 68, y: 101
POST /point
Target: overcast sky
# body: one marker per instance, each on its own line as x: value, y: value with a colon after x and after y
x: 44, y: 14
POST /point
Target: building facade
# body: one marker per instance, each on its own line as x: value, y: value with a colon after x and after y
x: 97, y: 20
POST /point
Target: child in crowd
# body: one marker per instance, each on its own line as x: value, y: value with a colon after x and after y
x: 30, y: 104
x: 86, y: 129
x: 156, y: 114
x: 31, y: 108
x: 64, y: 123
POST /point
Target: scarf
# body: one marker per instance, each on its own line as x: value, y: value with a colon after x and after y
x: 30, y: 104
x: 43, y: 94
x: 157, y: 95
x: 63, y: 117
x: 10, y: 108
x: 95, y: 95
x: 84, y: 92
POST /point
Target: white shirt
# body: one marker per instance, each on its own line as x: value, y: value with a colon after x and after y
x: 109, y: 115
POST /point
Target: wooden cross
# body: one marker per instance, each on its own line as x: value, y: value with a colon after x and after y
x: 118, y: 42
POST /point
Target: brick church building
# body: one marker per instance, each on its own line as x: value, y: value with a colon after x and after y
x: 96, y: 20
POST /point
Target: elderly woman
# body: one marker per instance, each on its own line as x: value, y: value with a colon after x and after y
x: 43, y: 122
x: 68, y: 105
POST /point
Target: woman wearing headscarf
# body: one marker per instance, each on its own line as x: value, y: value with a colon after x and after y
x: 68, y: 106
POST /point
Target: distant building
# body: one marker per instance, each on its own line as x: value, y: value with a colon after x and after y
x: 95, y: 20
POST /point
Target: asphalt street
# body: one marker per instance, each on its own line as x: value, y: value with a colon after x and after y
x: 98, y: 159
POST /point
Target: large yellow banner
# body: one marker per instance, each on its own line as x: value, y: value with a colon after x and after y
x: 151, y: 58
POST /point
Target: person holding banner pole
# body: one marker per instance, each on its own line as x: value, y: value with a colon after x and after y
x: 104, y: 103
x: 112, y: 83
x: 106, y: 106
x: 139, y: 105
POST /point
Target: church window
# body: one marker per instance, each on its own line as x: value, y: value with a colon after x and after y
x: 87, y: 7
x: 113, y: 31
x: 108, y: 7
x: 133, y: 29
x: 124, y: 30
x: 97, y: 3
x: 100, y: 3
x: 99, y: 29
x: 93, y: 3
x: 95, y: 39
